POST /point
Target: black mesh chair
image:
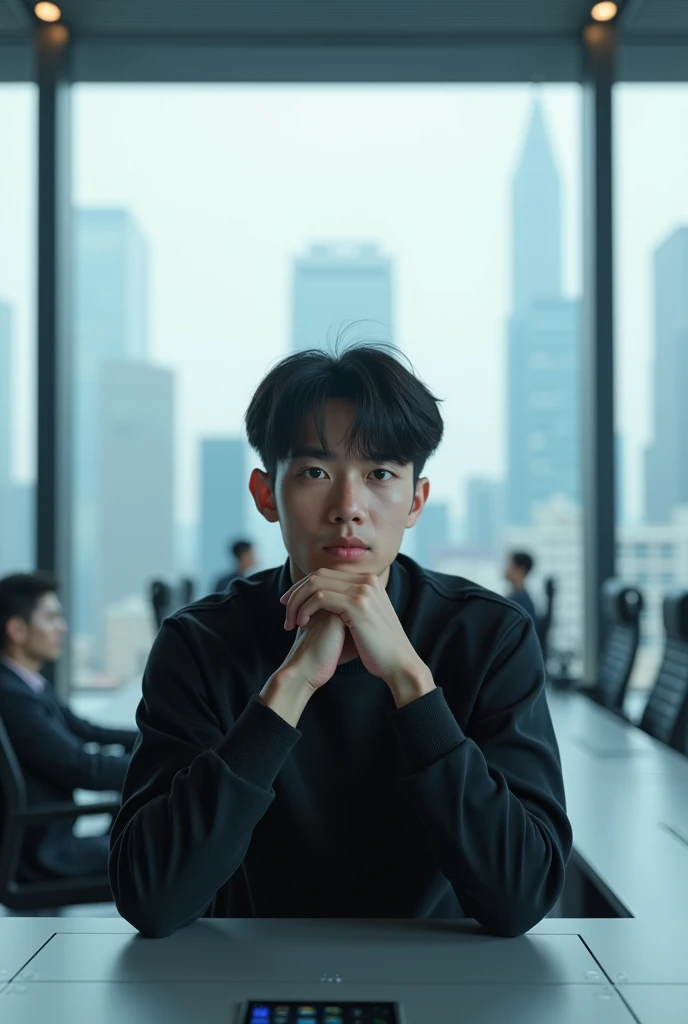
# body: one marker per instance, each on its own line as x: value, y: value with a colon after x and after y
x: 186, y: 591
x: 161, y: 600
x: 543, y: 623
x: 621, y: 608
x: 666, y: 713
x: 15, y: 816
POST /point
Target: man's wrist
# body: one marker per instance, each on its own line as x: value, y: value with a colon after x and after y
x: 287, y: 693
x: 409, y: 683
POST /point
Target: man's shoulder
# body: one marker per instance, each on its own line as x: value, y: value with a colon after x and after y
x: 217, y: 611
x: 9, y: 678
x: 457, y: 595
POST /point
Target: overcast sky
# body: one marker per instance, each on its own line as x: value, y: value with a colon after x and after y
x: 228, y: 184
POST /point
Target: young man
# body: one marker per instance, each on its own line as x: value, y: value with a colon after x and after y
x: 244, y: 560
x: 518, y: 566
x: 347, y: 735
x: 47, y: 739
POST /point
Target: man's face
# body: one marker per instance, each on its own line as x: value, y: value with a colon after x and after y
x: 321, y: 497
x: 42, y: 637
x: 247, y: 560
x: 513, y: 574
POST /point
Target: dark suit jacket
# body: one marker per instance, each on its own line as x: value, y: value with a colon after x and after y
x: 48, y: 741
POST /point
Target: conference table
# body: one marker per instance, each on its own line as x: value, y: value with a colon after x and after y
x: 628, y: 800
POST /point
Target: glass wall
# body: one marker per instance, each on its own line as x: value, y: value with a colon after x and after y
x: 17, y: 326
x: 651, y: 253
x: 218, y: 228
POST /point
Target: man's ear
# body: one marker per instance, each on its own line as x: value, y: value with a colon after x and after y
x: 16, y: 630
x: 420, y: 496
x: 261, y: 487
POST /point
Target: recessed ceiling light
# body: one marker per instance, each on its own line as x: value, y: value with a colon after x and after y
x: 604, y: 11
x: 47, y: 12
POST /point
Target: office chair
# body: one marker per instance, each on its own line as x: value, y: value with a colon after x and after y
x: 543, y: 623
x: 16, y: 816
x: 161, y: 599
x: 186, y: 591
x: 666, y: 712
x: 621, y: 608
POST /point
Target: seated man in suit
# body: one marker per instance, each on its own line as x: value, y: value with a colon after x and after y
x: 244, y: 556
x: 47, y: 738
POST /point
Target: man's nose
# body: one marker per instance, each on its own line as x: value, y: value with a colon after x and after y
x: 347, y: 505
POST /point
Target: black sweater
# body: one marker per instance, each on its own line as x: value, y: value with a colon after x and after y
x: 451, y: 806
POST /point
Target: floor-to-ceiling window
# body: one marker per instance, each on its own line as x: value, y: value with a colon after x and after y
x: 651, y: 265
x: 218, y: 228
x: 17, y: 326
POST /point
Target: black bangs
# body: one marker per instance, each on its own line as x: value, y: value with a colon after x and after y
x: 396, y: 416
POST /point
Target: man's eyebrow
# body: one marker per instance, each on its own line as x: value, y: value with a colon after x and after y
x: 311, y: 452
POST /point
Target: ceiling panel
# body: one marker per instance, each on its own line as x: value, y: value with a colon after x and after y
x: 657, y: 18
x: 13, y: 18
x: 342, y: 17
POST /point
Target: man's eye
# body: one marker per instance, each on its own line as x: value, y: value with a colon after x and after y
x: 383, y: 471
x: 313, y: 469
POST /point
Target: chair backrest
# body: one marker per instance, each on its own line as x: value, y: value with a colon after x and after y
x: 186, y: 591
x: 543, y: 623
x: 12, y: 801
x: 161, y: 599
x: 12, y: 785
x: 666, y: 712
x: 621, y: 608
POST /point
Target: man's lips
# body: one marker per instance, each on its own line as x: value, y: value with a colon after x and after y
x: 347, y: 548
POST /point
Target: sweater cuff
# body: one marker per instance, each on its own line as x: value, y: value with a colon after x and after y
x: 426, y: 730
x: 258, y: 744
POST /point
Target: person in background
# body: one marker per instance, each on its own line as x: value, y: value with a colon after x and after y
x: 46, y: 737
x: 517, y: 569
x: 243, y: 553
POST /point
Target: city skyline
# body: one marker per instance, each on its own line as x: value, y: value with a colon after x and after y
x: 450, y: 247
x: 650, y: 169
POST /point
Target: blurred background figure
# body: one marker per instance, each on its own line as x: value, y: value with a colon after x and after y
x: 518, y: 566
x: 243, y: 556
x: 46, y: 737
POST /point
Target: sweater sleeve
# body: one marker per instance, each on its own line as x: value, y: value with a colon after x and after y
x: 90, y: 733
x: 47, y: 750
x: 192, y: 795
x: 492, y: 801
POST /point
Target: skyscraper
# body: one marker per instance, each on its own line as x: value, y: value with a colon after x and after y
x: 543, y: 419
x: 536, y: 219
x: 110, y: 323
x: 5, y: 391
x: 544, y: 407
x: 7, y: 511
x: 17, y: 514
x: 666, y: 460
x: 223, y: 502
x: 136, y: 481
x: 485, y: 513
x: 336, y: 285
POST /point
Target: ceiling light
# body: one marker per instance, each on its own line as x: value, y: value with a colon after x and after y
x: 604, y: 11
x: 47, y: 12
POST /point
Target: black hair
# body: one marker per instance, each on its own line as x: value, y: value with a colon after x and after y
x: 397, y: 417
x: 522, y: 560
x: 240, y: 547
x: 20, y: 595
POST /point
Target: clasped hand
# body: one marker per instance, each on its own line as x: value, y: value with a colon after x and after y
x: 362, y: 603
